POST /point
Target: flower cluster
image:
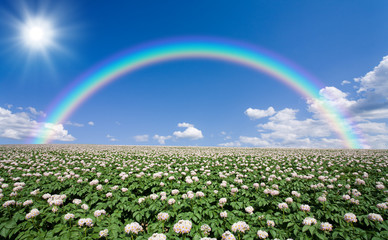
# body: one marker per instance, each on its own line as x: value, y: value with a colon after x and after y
x: 133, y: 228
x: 104, y: 233
x: 98, y: 213
x: 228, y: 236
x: 282, y: 206
x: 157, y: 236
x: 325, y: 226
x: 222, y: 202
x: 270, y: 223
x: 240, y: 226
x: 375, y: 217
x: 27, y: 202
x: 249, y: 210
x: 350, y: 217
x: 262, y: 234
x: 305, y: 208
x: 85, y: 221
x: 182, y: 226
x: 206, y: 229
x: 33, y: 213
x: 163, y: 216
x: 68, y: 216
x: 309, y: 221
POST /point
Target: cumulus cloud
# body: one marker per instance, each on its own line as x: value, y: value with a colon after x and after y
x: 111, y: 138
x: 161, y: 139
x: 74, y: 124
x: 90, y: 123
x: 375, y: 81
x: 366, y: 109
x: 21, y: 126
x: 35, y: 112
x: 190, y: 132
x: 185, y: 125
x: 334, y: 97
x: 141, y: 138
x: 254, y: 141
x: 57, y: 132
x: 257, y: 113
x: 230, y: 144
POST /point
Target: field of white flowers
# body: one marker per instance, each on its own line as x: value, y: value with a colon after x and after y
x: 123, y: 192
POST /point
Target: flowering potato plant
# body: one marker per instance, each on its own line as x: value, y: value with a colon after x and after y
x: 123, y: 192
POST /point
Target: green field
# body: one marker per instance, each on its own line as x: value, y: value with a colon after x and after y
x: 128, y: 192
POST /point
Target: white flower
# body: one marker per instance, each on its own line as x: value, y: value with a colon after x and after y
x: 171, y: 201
x: 68, y: 216
x: 206, y: 229
x: 163, y: 216
x: 33, y: 213
x: 104, y: 233
x: 182, y: 226
x: 157, y: 236
x: 228, y: 236
x: 305, y: 208
x: 325, y: 226
x: 282, y: 206
x: 309, y: 221
x: 133, y: 228
x: 262, y: 234
x: 350, y: 217
x: 249, y: 210
x: 240, y: 226
x: 375, y: 217
x: 270, y: 223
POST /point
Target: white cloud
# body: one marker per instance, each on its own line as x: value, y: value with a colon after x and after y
x: 141, y: 138
x: 190, y: 132
x: 366, y: 109
x: 35, y: 112
x: 161, y: 139
x: 344, y: 82
x: 376, y: 81
x: 254, y: 141
x: 90, y: 123
x: 334, y: 97
x: 57, y: 132
x: 9, y: 106
x: 111, y: 138
x: 20, y: 126
x: 74, y: 124
x: 185, y: 125
x: 257, y: 113
x: 373, y: 127
x: 230, y: 144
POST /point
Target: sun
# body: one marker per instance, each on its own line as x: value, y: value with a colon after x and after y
x: 37, y: 34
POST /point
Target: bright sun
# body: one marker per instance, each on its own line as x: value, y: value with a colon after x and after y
x: 37, y: 33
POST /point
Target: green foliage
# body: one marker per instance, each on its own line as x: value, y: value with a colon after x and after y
x: 70, y: 170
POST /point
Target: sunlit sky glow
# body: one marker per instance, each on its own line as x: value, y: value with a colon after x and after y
x: 46, y: 45
x: 37, y: 33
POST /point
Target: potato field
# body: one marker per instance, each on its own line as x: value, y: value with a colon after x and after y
x: 141, y: 192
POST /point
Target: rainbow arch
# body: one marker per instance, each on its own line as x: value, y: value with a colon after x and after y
x: 128, y: 61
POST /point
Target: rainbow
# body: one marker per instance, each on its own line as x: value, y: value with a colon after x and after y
x: 128, y: 61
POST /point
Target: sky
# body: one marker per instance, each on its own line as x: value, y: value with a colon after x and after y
x: 46, y: 45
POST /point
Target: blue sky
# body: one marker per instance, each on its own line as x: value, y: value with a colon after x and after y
x: 197, y: 102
